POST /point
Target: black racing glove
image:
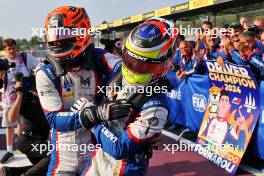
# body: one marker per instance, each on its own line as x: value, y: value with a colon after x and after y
x: 89, y: 114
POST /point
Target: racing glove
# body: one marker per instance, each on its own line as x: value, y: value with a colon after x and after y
x: 89, y: 114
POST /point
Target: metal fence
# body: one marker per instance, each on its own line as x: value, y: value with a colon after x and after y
x: 223, y: 17
x: 218, y: 18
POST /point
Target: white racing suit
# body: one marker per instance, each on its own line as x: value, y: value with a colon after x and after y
x: 125, y: 141
x: 57, y: 94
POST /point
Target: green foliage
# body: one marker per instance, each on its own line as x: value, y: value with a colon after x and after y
x: 23, y: 44
x: 1, y: 43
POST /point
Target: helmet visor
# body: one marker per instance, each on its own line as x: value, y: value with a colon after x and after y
x: 139, y: 66
x: 56, y: 34
x: 135, y: 78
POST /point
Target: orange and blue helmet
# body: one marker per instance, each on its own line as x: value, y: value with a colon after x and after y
x: 67, y: 32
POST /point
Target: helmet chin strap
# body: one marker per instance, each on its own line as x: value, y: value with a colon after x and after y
x: 60, y: 69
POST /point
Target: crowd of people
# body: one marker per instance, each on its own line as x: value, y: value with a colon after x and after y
x: 118, y: 130
x: 239, y: 43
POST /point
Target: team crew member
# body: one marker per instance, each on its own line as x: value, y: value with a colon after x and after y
x: 74, y: 70
x: 249, y: 52
x: 147, y: 56
x: 189, y: 62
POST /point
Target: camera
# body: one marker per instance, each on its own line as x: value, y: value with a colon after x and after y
x: 28, y: 82
x: 5, y: 65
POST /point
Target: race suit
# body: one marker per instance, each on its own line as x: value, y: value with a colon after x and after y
x: 125, y: 141
x: 252, y: 58
x: 58, y: 94
x: 190, y: 64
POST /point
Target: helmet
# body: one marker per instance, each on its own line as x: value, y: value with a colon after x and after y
x: 148, y: 51
x: 67, y: 33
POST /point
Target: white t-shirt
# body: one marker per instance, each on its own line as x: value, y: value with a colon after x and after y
x: 9, y: 95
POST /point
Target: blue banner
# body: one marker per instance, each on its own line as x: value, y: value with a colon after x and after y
x: 186, y: 102
x: 257, y: 141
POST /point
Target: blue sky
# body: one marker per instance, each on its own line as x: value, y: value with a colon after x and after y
x: 19, y: 16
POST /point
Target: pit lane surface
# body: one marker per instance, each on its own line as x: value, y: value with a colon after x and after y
x: 184, y: 163
x: 163, y: 162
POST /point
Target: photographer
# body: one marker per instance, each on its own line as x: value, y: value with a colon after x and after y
x: 23, y: 62
x: 36, y: 128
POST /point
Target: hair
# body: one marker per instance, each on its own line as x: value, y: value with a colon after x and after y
x: 182, y: 37
x: 208, y: 23
x: 9, y: 42
x: 247, y: 34
x: 259, y: 19
x: 224, y: 93
x: 186, y: 43
x: 109, y: 44
x: 236, y: 26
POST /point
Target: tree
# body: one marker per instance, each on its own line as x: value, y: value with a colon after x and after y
x: 34, y: 41
x: 1, y: 44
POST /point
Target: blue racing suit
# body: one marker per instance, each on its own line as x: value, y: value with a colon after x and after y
x: 124, y: 141
x: 190, y: 64
x: 253, y: 59
x: 58, y: 94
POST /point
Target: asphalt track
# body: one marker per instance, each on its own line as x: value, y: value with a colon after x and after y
x: 165, y: 162
x: 184, y: 163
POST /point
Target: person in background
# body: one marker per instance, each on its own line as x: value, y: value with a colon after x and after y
x: 262, y: 38
x: 189, y: 62
x: 248, y: 52
x: 211, y: 46
x: 118, y: 47
x: 206, y: 28
x: 235, y: 29
x: 229, y: 35
x: 36, y: 128
x: 259, y: 22
x: 113, y: 46
x: 24, y: 62
x: 244, y: 22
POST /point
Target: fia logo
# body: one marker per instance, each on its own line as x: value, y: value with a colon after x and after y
x: 199, y: 102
